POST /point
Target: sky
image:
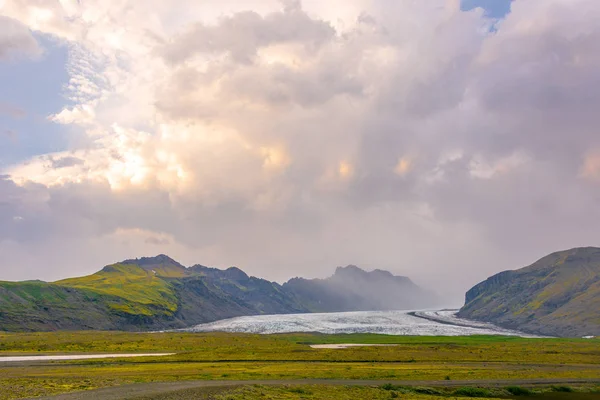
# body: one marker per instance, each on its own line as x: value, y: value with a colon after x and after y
x: 441, y: 140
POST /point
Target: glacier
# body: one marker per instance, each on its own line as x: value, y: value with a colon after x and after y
x: 410, y: 323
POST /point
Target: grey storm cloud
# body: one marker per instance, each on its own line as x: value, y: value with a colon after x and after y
x: 64, y: 162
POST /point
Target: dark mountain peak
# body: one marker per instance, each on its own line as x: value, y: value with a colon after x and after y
x: 350, y: 270
x: 351, y: 288
x: 236, y: 274
x: 159, y: 260
x: 199, y: 268
x: 232, y: 273
x: 380, y: 273
x: 161, y: 265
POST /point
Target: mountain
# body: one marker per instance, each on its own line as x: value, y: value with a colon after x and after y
x: 558, y: 295
x: 352, y: 289
x: 155, y: 293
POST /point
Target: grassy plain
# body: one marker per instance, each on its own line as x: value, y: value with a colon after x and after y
x: 386, y: 392
x: 220, y: 356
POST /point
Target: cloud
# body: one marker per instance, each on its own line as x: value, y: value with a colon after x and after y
x: 591, y: 166
x: 404, y: 166
x: 83, y: 114
x: 16, y: 40
x: 244, y: 33
x: 65, y: 162
x: 275, y: 136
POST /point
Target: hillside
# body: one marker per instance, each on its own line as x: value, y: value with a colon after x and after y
x: 159, y: 293
x: 558, y: 295
x: 144, y: 294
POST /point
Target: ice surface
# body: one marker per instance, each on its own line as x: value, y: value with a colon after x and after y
x: 445, y: 323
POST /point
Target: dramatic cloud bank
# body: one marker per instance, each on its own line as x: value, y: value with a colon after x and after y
x: 290, y: 137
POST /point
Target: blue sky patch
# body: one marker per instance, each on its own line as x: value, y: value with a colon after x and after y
x: 493, y: 8
x: 30, y: 90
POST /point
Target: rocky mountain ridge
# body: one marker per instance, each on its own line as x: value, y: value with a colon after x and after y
x: 153, y: 293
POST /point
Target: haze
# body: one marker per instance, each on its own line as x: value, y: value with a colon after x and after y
x: 441, y: 140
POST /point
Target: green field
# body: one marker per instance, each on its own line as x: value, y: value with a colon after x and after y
x: 385, y: 392
x: 231, y: 357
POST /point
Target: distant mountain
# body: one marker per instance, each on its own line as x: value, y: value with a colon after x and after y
x: 558, y: 295
x: 159, y: 293
x: 352, y: 289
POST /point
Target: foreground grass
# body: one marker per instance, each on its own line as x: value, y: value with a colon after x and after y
x: 219, y: 356
x: 399, y: 392
x: 323, y: 392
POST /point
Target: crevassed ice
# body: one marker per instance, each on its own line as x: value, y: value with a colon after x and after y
x: 445, y: 323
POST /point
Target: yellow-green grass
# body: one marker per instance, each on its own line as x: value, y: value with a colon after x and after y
x: 323, y: 392
x: 294, y: 347
x: 140, y: 292
x: 222, y: 356
x: 293, y: 392
x: 31, y: 386
x: 19, y: 382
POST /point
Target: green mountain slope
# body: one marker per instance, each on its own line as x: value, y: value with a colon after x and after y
x: 144, y: 294
x: 159, y: 293
x: 135, y: 290
x: 558, y: 295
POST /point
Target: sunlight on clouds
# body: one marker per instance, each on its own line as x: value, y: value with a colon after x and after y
x: 39, y: 17
x: 275, y: 158
x: 403, y: 167
x: 39, y: 170
x: 289, y: 55
x: 591, y: 166
x: 345, y: 170
x: 83, y: 114
x: 46, y: 17
x: 71, y: 7
x: 482, y: 169
x: 342, y: 14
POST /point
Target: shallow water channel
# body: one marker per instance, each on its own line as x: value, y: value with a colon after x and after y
x: 77, y: 357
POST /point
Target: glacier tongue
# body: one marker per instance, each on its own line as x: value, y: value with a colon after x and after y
x: 383, y: 322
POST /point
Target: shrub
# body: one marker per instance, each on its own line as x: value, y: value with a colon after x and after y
x: 394, y: 395
x: 472, y: 392
x: 565, y: 389
x: 299, y: 390
x: 427, y: 390
x: 518, y: 391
